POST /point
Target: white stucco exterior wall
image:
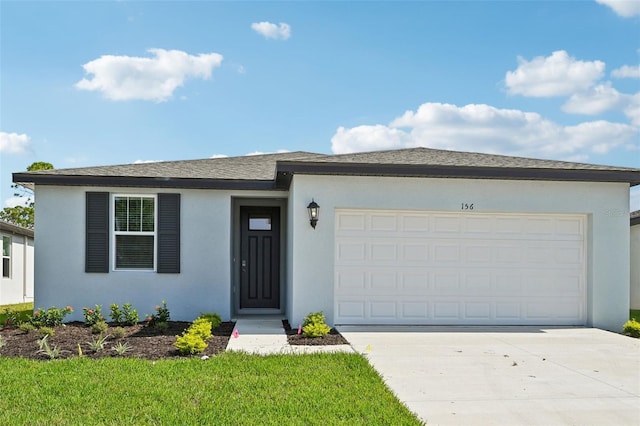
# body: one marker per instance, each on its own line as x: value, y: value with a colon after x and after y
x: 311, y: 252
x: 635, y: 267
x: 204, y: 284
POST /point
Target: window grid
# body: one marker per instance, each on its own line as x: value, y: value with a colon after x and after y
x: 6, y: 256
x: 134, y: 232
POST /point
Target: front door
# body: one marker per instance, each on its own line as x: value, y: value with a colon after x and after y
x: 260, y: 257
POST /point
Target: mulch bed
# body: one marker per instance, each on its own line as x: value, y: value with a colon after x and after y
x: 333, y: 338
x: 145, y: 342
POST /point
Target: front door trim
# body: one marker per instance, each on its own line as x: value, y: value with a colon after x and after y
x: 236, y: 255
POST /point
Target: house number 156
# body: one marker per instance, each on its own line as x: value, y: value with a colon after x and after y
x: 466, y: 206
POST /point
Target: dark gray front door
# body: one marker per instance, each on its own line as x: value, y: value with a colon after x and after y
x: 260, y: 257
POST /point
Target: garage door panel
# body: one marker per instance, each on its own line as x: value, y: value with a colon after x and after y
x: 434, y: 268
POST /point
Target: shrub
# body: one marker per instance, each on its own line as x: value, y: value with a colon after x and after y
x: 314, y: 325
x: 47, y: 331
x: 162, y: 315
x: 26, y: 327
x: 99, y: 327
x: 213, y: 318
x: 632, y: 328
x: 125, y: 316
x: 193, y: 339
x: 190, y: 344
x: 119, y: 332
x: 93, y: 316
x: 11, y: 318
x: 51, y: 317
x: 201, y: 327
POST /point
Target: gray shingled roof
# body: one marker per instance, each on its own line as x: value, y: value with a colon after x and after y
x: 635, y: 218
x: 275, y: 171
x: 248, y: 167
x: 429, y: 156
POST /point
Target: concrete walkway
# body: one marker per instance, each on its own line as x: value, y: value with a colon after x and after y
x: 266, y: 336
x: 507, y: 375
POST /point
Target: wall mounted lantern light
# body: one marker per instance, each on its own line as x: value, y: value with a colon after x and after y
x: 314, y: 213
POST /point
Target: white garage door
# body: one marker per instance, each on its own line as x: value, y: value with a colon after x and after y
x: 408, y: 267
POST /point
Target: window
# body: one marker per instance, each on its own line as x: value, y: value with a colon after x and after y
x: 6, y: 257
x: 134, y: 230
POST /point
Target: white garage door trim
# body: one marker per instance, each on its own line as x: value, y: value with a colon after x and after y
x: 417, y: 267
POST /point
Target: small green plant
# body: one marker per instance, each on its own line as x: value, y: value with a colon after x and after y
x: 97, y: 344
x: 11, y: 318
x: 194, y: 339
x: 3, y: 342
x: 46, y: 331
x: 632, y: 328
x: 125, y: 316
x: 314, y: 325
x: 118, y: 332
x: 51, y: 352
x: 162, y: 315
x: 26, y: 327
x: 100, y: 327
x: 93, y: 316
x: 213, y: 318
x: 121, y: 348
x: 51, y: 317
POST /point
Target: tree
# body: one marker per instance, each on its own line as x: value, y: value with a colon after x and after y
x: 23, y: 215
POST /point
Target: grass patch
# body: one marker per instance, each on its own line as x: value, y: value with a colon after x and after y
x: 230, y: 389
x: 634, y: 313
x: 25, y: 310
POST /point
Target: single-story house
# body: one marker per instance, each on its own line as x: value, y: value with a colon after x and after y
x: 411, y: 236
x: 16, y: 284
x: 635, y: 260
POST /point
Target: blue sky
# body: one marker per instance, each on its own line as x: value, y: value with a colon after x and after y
x: 95, y: 83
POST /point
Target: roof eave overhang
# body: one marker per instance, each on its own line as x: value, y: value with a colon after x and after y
x: 286, y: 170
x: 10, y: 228
x: 635, y: 221
x: 146, y: 182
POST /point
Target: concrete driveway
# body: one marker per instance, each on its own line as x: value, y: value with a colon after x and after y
x: 507, y: 375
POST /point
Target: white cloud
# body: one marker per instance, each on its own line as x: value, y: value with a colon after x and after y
x: 122, y: 78
x: 624, y: 8
x: 632, y: 110
x: 555, y: 75
x: 595, y: 100
x: 146, y: 161
x: 627, y: 71
x: 280, y: 151
x: 219, y: 156
x: 483, y: 128
x: 280, y: 31
x: 14, y: 143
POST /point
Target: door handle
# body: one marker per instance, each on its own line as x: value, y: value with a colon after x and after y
x: 244, y: 265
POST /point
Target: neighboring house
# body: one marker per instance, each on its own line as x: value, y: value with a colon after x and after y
x: 414, y: 236
x: 16, y: 284
x: 635, y: 260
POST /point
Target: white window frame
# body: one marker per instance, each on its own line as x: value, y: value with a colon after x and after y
x: 115, y: 233
x: 8, y: 276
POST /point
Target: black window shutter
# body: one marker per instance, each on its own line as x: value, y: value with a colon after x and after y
x: 97, y: 230
x: 168, y: 234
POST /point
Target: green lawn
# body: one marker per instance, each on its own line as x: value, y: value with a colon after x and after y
x: 25, y: 310
x: 230, y: 389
